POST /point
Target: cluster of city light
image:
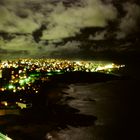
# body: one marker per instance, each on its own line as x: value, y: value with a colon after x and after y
x: 21, y: 70
x: 57, y: 65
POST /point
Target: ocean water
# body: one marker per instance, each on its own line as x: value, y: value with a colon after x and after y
x: 112, y: 102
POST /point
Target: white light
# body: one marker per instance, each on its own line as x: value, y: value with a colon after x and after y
x: 4, y: 137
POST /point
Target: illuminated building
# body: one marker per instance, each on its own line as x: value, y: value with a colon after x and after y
x: 6, y: 75
x: 0, y: 78
x: 0, y: 74
x: 24, y: 105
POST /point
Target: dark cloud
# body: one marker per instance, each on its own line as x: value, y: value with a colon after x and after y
x: 130, y: 23
x: 38, y: 33
x: 6, y: 36
x: 52, y: 27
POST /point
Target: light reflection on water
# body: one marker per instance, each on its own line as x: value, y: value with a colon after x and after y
x: 72, y: 133
x: 109, y: 102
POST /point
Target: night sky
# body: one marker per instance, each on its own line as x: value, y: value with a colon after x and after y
x: 67, y: 28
